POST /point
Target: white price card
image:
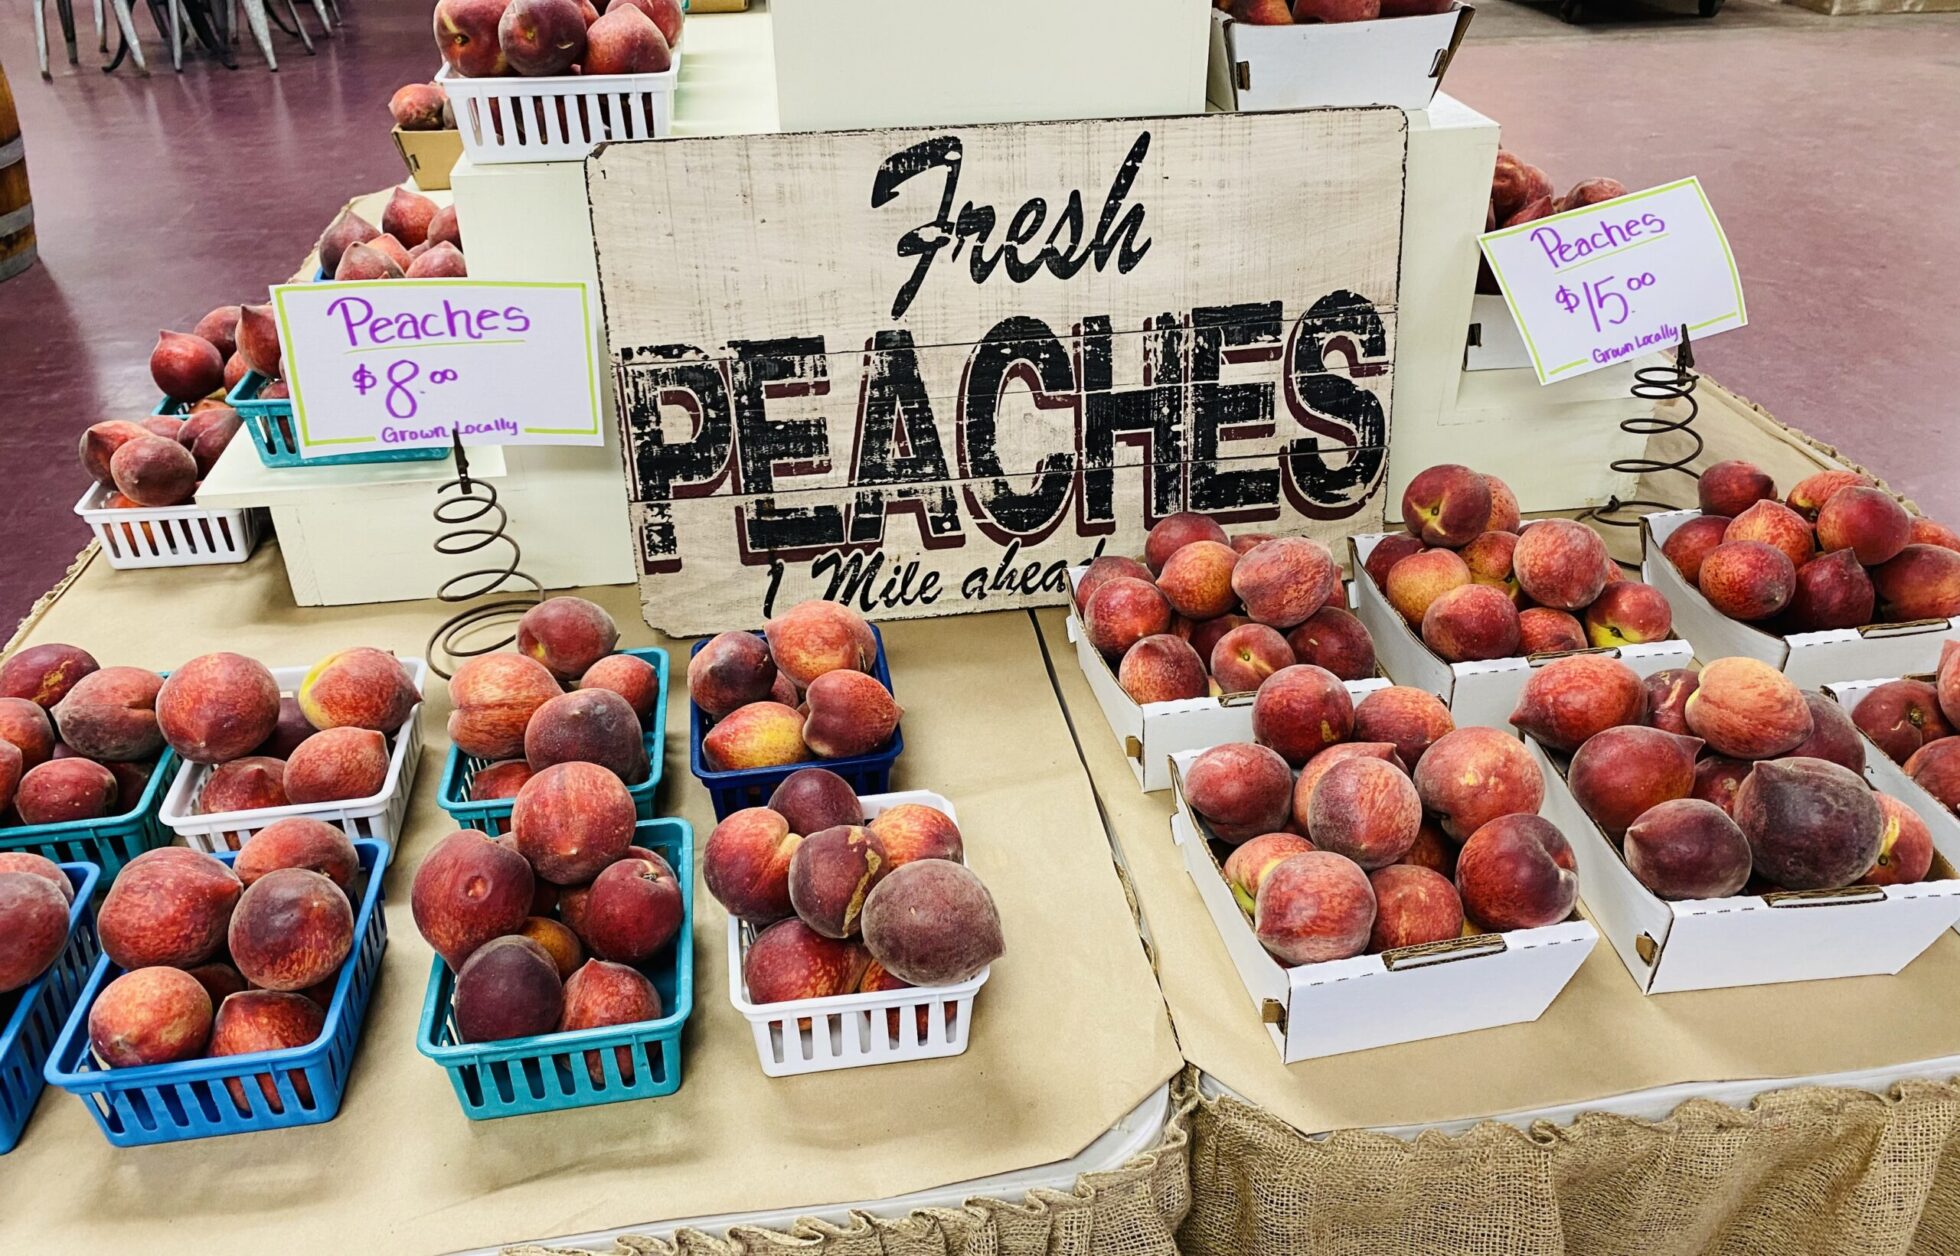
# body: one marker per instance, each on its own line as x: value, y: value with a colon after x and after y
x: 409, y: 363
x: 1617, y: 280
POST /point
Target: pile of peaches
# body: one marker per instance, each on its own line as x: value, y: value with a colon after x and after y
x: 843, y: 905
x: 1207, y: 614
x: 489, y: 38
x: 1305, y: 12
x: 1371, y: 826
x: 70, y: 748
x: 801, y: 689
x: 417, y: 239
x: 1838, y: 552
x: 1477, y: 583
x: 1914, y: 721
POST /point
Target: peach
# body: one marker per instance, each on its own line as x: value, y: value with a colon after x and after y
x: 220, y: 327
x: 1471, y: 623
x: 100, y: 441
x: 466, y: 36
x: 299, y: 842
x: 759, y: 735
x: 1867, y: 521
x: 65, y: 789
x: 1504, y: 515
x: 1621, y: 773
x: 218, y: 707
x: 1668, y: 691
x: 629, y: 676
x: 1517, y: 872
x: 789, y: 960
x: 168, y: 906
x: 1833, y: 737
x: 830, y: 874
x: 1807, y: 498
x: 219, y: 979
x: 635, y: 908
x: 850, y: 714
x: 1314, y: 907
x: 1122, y: 612
x: 1926, y: 532
x: 731, y: 671
x: 1412, y: 720
x: 784, y: 692
x: 418, y: 106
x: 1489, y: 560
x: 1163, y: 668
x: 1591, y: 192
x: 745, y: 864
x: 1418, y: 580
x: 1336, y: 10
x: 132, y: 779
x: 1249, y: 863
x: 1516, y: 183
x: 1901, y: 716
x: 1811, y: 825
x: 1446, y: 505
x: 1433, y: 849
x: 258, y: 336
x: 878, y: 980
x: 291, y: 728
x: 469, y: 889
x: 1334, y: 639
x: 1204, y: 637
x: 1717, y: 777
x: 1413, y: 906
x: 1935, y: 768
x: 1833, y: 591
x: 292, y: 928
x: 665, y: 14
x: 498, y: 781
x: 249, y: 784
x: 1197, y: 579
x: 1284, y: 581
x: 1561, y: 564
x: 1746, y: 709
x: 1366, y: 809
x: 815, y: 637
x: 1244, y: 657
x: 1688, y: 848
x: 1628, y: 612
x: 1475, y: 775
x: 38, y: 866
x: 588, y: 726
x: 1905, y: 845
x: 1173, y: 532
x: 207, y: 434
x: 1922, y: 582
x: 599, y: 994
x: 1774, y: 524
x: 625, y: 41
x: 444, y: 229
x: 43, y: 674
x: 1543, y: 630
x: 1300, y: 710
x: 567, y: 635
x: 10, y: 774
x: 1240, y: 790
x: 1104, y: 569
x: 1748, y: 580
x: 438, y: 261
x: 1731, y: 487
x: 572, y: 820
x: 406, y: 217
x: 1317, y: 767
x: 1947, y: 683
x: 913, y: 831
x: 338, y: 765
x: 35, y: 918
x: 358, y: 688
x: 149, y: 1016
x: 932, y: 923
x: 266, y: 1020
x: 508, y: 989
x: 1570, y: 699
x: 186, y: 367
x: 1387, y: 552
x: 347, y: 230
x: 111, y: 715
x: 1692, y: 542
x: 541, y: 37
x: 367, y: 261
x: 814, y: 799
x: 1246, y: 540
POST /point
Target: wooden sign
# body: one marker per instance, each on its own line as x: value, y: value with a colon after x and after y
x: 927, y: 371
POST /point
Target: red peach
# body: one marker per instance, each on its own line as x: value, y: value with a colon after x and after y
x: 1811, y: 825
x: 110, y: 715
x: 438, y: 261
x: 1570, y: 699
x: 1433, y: 850
x: 1318, y: 766
x: 1515, y: 184
x: 850, y: 714
x: 265, y: 1020
x: 1922, y: 582
x: 185, y: 367
x: 337, y: 765
x: 600, y: 994
x: 1774, y: 524
x: 1489, y: 560
x: 1446, y: 505
x: 1248, y: 864
x: 367, y: 261
x: 558, y: 941
x: 1811, y: 492
x: 572, y: 820
x: 65, y: 789
x: 406, y: 217
x: 567, y: 635
x: 1948, y: 681
x: 1543, y: 207
x: 218, y: 707
x: 1926, y: 532
x: 1692, y: 542
x: 153, y: 1015
x: 346, y: 231
x: 1197, y: 579
x: 220, y: 327
x: 219, y: 979
x: 635, y: 908
x: 1246, y: 540
x: 1413, y: 906
x: 1517, y: 872
x: 10, y: 773
x: 1544, y: 630
x: 1206, y: 636
x: 1333, y: 638
x: 913, y: 831
x: 814, y: 799
x: 1905, y: 845
x: 1476, y: 775
x: 1412, y: 720
x: 35, y: 918
x: 38, y: 866
x: 1901, y: 716
x: 498, y: 781
x: 1833, y: 737
x: 509, y: 988
x: 1717, y: 777
x: 1560, y: 563
x: 169, y: 906
x: 1240, y: 790
x: 1591, y: 192
x: 469, y: 889
x: 1668, y: 691
x: 466, y: 36
x: 745, y: 864
x: 1104, y: 569
x: 1283, y: 581
x: 1314, y: 907
x: 258, y: 337
x: 1867, y: 521
x: 1247, y: 655
x: 1420, y: 579
x: 1628, y: 612
x: 43, y: 674
x: 1935, y: 768
x: 418, y: 107
x: 1833, y: 591
x: 292, y: 928
x: 99, y: 444
x: 1163, y: 668
x: 629, y: 676
x: 1471, y: 623
x: 253, y: 783
x: 1746, y: 709
x: 1731, y: 487
x: 1688, y: 848
x: 789, y: 960
x: 1504, y: 515
x: 299, y: 842
x: 759, y: 735
x: 358, y: 688
x: 1387, y: 552
x: 1173, y: 532
x: 588, y: 726
x: 731, y: 671
x: 815, y: 637
x: 1366, y: 809
x: 1123, y: 612
x: 932, y: 922
x: 288, y: 732
x: 1748, y: 580
x: 830, y: 875
x: 1300, y: 710
x: 1622, y: 773
x: 207, y: 434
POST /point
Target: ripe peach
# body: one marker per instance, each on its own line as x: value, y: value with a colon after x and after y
x: 1249, y: 863
x: 299, y: 842
x: 1204, y: 637
x: 1905, y: 845
x: 588, y: 726
x: 1413, y: 905
x: 745, y: 864
x: 1475, y: 775
x: 1418, y: 580
x: 207, y: 434
x: 1591, y: 192
x: 65, y: 789
x: 154, y: 471
x: 1570, y: 699
x: 815, y: 799
x: 185, y: 367
x: 601, y: 993
x: 258, y: 336
x: 1387, y: 552
x: 1833, y: 591
x: 1246, y: 655
x: 850, y: 714
x: 218, y: 707
x: 1926, y: 532
x: 1173, y: 532
x: 509, y: 988
x: 469, y: 889
x: 1833, y: 737
x: 38, y: 866
x: 1446, y: 505
x: 1333, y: 638
x: 1197, y: 579
x: 1366, y: 809
x: 1688, y: 848
x: 1162, y: 668
x: 1543, y: 630
x: 731, y: 671
x: 1283, y: 581
x: 912, y: 831
x: 1935, y: 768
x: 1867, y: 521
x: 1668, y: 691
x: 571, y: 820
x: 1718, y: 777
x: 1811, y: 492
x: 1622, y: 773
x: 357, y: 688
x: 629, y: 676
x: 1517, y: 872
x: 1314, y: 907
x: 438, y: 261
x: 1947, y: 684
x: 1246, y: 540
x: 249, y: 784
x: 759, y: 735
x: 1515, y: 184
x: 110, y: 715
x: 789, y: 960
x: 1692, y: 542
x: 347, y: 230
x: 169, y: 906
x: 1489, y: 560
x: 1240, y: 790
x: 10, y: 773
x: 1774, y: 524
x: 1300, y: 710
x: 567, y: 635
x: 34, y: 914
x: 1901, y: 716
x: 1471, y: 623
x: 635, y: 908
x: 1748, y: 580
x: 1318, y: 766
x: 1811, y: 825
x: 1731, y: 487
x: 292, y: 928
x: 932, y: 923
x: 1103, y: 569
x: 1503, y: 507
x: 498, y: 781
x: 291, y: 728
x: 265, y: 1020
x: 1412, y: 720
x: 1433, y: 850
x: 99, y: 444
x: 367, y: 261
x: 1922, y: 582
x: 783, y: 691
x: 43, y: 674
x: 830, y: 873
x: 1746, y: 709
x: 1629, y: 612
x: 338, y: 764
x: 132, y: 779
x: 1123, y: 612
x: 1560, y: 563
x: 815, y: 637
x: 219, y: 979
x: 153, y: 1015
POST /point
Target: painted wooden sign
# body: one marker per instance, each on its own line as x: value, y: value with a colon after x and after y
x: 927, y: 371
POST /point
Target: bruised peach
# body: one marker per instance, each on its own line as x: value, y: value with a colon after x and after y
x: 601, y: 993
x: 1197, y: 579
x: 913, y: 831
x: 1833, y: 591
x: 1901, y: 716
x: 1412, y: 720
x: 1333, y: 638
x: 850, y: 714
x: 1366, y: 809
x: 1249, y: 863
x: 1808, y: 496
x: 1285, y: 580
x: 1300, y: 710
x: 1570, y: 699
x: 1123, y: 612
x: 629, y: 676
x: 469, y: 889
x: 790, y: 961
x: 253, y: 783
x: 1774, y: 524
x: 43, y: 674
x: 1104, y: 569
x: 1544, y: 630
x: 815, y: 637
x: 1688, y: 848
x: 1471, y: 623
x: 110, y: 715
x: 1628, y: 612
x: 217, y: 707
x: 1418, y: 580
x: 635, y: 908
x: 731, y: 671
x: 336, y: 765
x: 1731, y: 487
x: 830, y: 875
x: 745, y: 864
x: 1717, y: 777
x: 1474, y: 775
x: 1692, y: 542
x: 1811, y: 825
x: 1173, y: 532
x: 1413, y: 906
x: 572, y: 820
x: 155, y: 1015
x: 759, y: 735
x: 358, y: 688
x: 168, y: 906
x: 292, y: 928
x: 1247, y: 655
x: 299, y: 842
x: 1746, y: 709
x: 1560, y: 563
x: 1905, y: 845
x: 1922, y: 582
x: 1387, y: 552
x: 1314, y: 907
x: 252, y: 1021
x: 1517, y: 872
x: 1668, y: 691
x: 567, y: 635
x: 1621, y: 773
x: 1240, y: 790
x: 1446, y: 505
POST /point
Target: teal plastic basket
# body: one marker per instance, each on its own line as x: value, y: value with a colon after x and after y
x: 271, y: 426
x: 107, y: 843
x: 549, y: 1073
x: 494, y: 817
x: 31, y: 1017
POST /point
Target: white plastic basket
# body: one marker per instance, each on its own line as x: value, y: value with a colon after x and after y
x: 855, y: 1030
x: 377, y: 817
x: 558, y: 118
x: 168, y: 536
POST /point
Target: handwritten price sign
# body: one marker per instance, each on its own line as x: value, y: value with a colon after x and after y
x: 407, y: 363
x: 1620, y: 279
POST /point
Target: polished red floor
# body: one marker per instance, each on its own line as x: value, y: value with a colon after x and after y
x: 1831, y: 148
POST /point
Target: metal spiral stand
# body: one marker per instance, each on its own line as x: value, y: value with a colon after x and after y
x: 1671, y: 382
x: 464, y: 505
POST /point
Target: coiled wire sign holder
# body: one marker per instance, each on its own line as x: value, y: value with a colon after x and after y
x: 463, y: 506
x: 1672, y: 381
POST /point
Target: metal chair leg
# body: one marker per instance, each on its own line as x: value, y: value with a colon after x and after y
x: 65, y: 10
x: 261, y: 32
x: 299, y: 27
x: 326, y: 20
x: 176, y: 36
x: 101, y: 30
x: 126, y: 22
x: 41, y: 37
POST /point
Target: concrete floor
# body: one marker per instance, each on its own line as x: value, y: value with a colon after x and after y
x: 1830, y: 146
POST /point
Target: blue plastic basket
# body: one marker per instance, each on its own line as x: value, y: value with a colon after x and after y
x: 548, y: 1073
x: 751, y: 787
x: 168, y: 1103
x: 41, y: 1008
x: 107, y: 843
x: 494, y: 817
x: 271, y: 426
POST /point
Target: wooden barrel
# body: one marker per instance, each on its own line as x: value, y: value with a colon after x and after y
x: 16, y: 203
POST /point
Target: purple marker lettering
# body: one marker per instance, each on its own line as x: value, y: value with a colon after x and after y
x: 1547, y: 238
x: 345, y: 308
x: 519, y: 321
